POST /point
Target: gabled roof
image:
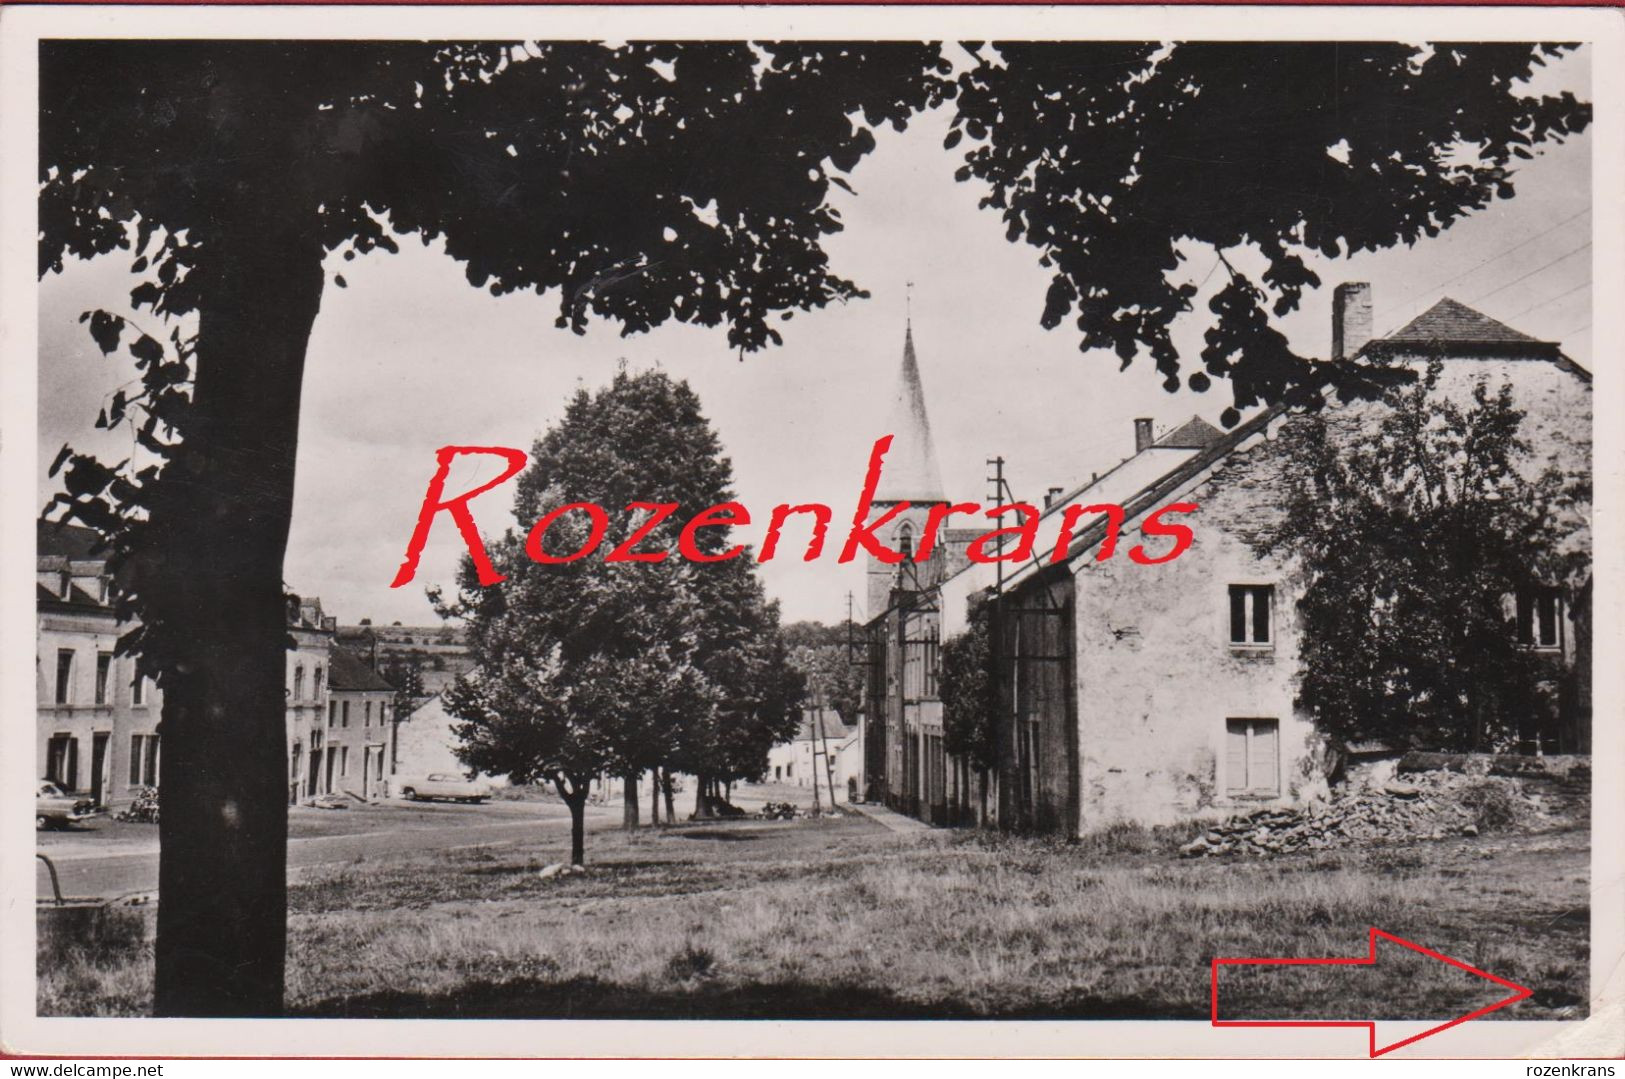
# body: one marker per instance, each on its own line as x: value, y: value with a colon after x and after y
x: 1455, y: 326
x: 910, y: 473
x: 834, y: 730
x: 1456, y: 323
x: 1194, y: 434
x: 1450, y: 326
x: 348, y: 671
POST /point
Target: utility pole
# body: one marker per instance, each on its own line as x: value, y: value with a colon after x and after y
x: 1000, y: 493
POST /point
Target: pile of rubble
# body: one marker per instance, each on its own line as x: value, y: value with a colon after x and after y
x: 1378, y: 807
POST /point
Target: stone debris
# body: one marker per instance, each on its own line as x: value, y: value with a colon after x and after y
x: 560, y: 869
x: 1375, y: 808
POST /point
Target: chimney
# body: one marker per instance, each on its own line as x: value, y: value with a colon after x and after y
x: 1351, y: 319
x: 1051, y: 495
x: 1142, y: 434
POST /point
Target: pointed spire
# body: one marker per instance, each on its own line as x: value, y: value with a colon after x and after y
x: 911, y: 473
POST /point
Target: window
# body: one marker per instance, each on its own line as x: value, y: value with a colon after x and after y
x: 298, y: 683
x: 316, y: 684
x: 344, y: 714
x: 62, y: 761
x: 921, y: 660
x: 143, y: 760
x: 1252, y: 757
x: 64, y: 676
x: 905, y: 541
x: 366, y: 715
x: 104, y: 664
x: 1250, y: 614
x: 344, y: 760
x: 138, y: 690
x: 1540, y: 617
x: 789, y: 770
x: 332, y: 713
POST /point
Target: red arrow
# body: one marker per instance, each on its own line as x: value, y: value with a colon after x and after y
x: 1518, y: 992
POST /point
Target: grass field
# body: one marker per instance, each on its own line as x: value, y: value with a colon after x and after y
x: 837, y: 918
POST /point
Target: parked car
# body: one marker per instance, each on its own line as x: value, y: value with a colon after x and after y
x: 445, y: 786
x: 54, y: 809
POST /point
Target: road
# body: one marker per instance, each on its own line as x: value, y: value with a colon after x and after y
x: 115, y: 860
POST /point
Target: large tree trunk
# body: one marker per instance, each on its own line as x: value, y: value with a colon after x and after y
x: 222, y: 878
x: 629, y: 801
x: 702, y: 804
x: 574, y: 795
x: 654, y: 797
x: 666, y: 789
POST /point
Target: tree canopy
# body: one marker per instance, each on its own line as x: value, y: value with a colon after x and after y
x: 591, y: 666
x: 1111, y: 159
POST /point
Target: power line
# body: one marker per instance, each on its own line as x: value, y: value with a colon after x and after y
x: 1414, y: 302
x: 1531, y: 273
x: 1515, y: 247
x: 1543, y: 303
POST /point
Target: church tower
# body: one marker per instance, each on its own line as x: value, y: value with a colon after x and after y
x: 910, y: 475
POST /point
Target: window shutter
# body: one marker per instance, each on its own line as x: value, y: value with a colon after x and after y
x: 1261, y: 615
x: 1264, y: 757
x: 1238, y: 615
x: 1235, y: 755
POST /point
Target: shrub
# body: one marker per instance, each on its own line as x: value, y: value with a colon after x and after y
x: 1495, y: 805
x: 692, y: 963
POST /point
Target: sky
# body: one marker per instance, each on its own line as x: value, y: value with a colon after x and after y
x: 409, y: 358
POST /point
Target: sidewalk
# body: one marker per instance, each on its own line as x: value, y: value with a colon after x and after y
x: 890, y: 819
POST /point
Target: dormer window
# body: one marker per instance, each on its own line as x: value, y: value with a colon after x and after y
x: 67, y: 585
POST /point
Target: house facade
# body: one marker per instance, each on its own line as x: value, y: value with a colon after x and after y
x: 98, y: 724
x: 1155, y: 693
x: 96, y: 719
x: 801, y: 761
x: 358, y: 729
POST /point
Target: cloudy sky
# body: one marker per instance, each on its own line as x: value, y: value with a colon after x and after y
x: 409, y: 358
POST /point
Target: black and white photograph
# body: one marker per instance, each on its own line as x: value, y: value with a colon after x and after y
x: 1029, y: 520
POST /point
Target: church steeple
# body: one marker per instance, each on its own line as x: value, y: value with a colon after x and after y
x: 911, y: 473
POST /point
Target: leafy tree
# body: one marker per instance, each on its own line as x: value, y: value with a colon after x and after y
x: 1113, y: 157
x: 968, y: 686
x: 647, y: 183
x: 591, y: 666
x: 758, y: 690
x: 821, y: 654
x: 1414, y: 545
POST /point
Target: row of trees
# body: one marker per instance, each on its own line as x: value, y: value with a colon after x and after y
x: 593, y: 667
